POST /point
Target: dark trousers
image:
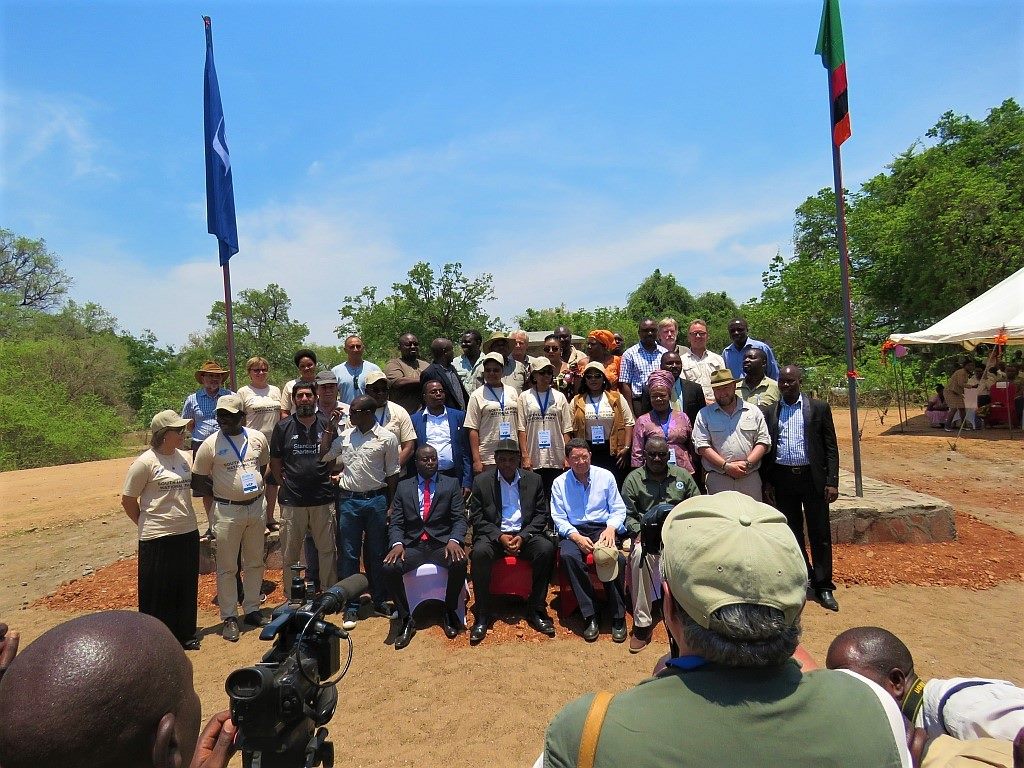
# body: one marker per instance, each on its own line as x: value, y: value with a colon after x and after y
x: 355, y: 518
x: 169, y: 582
x: 574, y: 563
x: 431, y: 551
x: 797, y: 498
x: 538, y: 550
x: 547, y: 478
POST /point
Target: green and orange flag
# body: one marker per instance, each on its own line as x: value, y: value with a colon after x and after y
x: 830, y: 48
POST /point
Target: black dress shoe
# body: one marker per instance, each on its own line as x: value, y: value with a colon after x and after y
x: 541, y: 622
x: 479, y: 630
x: 619, y: 630
x: 452, y: 625
x: 828, y: 600
x: 405, y: 636
x: 191, y: 645
x: 591, y: 630
x: 255, y: 619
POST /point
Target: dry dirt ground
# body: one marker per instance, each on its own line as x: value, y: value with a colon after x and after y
x: 441, y: 703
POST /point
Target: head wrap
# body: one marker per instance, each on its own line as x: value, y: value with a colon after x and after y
x: 604, y: 337
x: 664, y: 378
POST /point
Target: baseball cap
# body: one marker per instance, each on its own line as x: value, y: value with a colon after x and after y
x: 326, y: 377
x: 167, y: 420
x: 495, y: 356
x: 231, y: 403
x: 726, y: 549
x: 373, y: 377
x: 606, y: 562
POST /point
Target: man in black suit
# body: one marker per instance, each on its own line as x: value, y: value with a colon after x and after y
x: 428, y: 525
x: 509, y: 513
x: 801, y: 475
x: 441, y: 369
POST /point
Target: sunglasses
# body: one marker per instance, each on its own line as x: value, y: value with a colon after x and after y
x: 258, y: 370
x: 552, y: 349
x: 593, y: 376
x: 361, y: 410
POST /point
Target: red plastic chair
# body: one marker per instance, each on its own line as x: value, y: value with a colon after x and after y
x: 1001, y: 405
x: 512, y: 576
x: 567, y: 602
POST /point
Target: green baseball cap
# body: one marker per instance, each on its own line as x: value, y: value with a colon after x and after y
x: 726, y: 549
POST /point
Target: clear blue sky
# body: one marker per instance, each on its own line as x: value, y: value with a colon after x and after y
x: 568, y: 148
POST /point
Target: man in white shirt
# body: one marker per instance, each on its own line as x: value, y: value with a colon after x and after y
x: 699, y: 362
x: 589, y: 515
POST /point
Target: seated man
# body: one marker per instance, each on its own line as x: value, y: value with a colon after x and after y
x: 107, y: 689
x: 588, y: 513
x: 734, y: 584
x: 966, y: 708
x: 428, y: 525
x: 655, y: 483
x: 509, y: 515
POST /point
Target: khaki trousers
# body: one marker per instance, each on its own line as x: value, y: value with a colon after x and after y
x: 239, y: 527
x: 750, y: 485
x: 319, y: 521
x: 642, y: 588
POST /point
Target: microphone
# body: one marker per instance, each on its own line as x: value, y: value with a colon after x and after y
x: 334, y: 599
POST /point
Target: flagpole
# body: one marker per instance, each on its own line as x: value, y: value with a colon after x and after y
x: 844, y: 266
x: 230, y: 324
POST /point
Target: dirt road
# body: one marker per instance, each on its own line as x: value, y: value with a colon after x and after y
x: 436, y: 703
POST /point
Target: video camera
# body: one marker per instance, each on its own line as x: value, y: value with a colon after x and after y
x: 282, y: 704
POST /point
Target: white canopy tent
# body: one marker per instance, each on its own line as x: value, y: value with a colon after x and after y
x: 999, y: 310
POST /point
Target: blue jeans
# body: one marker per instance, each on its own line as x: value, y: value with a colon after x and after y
x: 356, y: 517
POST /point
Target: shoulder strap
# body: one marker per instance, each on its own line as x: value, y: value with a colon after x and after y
x: 592, y: 729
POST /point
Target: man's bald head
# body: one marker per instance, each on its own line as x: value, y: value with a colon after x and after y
x: 107, y: 689
x: 875, y: 653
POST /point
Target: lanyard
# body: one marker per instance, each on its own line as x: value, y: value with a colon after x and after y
x: 596, y: 404
x: 245, y: 446
x: 687, y: 662
x: 545, y: 404
x: 383, y: 417
x: 501, y: 400
x: 664, y: 426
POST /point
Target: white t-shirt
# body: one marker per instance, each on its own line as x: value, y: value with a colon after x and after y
x: 262, y: 407
x: 162, y: 484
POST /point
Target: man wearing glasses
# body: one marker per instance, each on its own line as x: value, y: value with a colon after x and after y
x: 699, y: 363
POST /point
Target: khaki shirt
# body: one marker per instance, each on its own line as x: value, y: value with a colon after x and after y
x: 367, y: 459
x: 699, y: 370
x: 485, y: 414
x: 262, y: 408
x: 162, y: 484
x: 557, y: 419
x: 219, y: 460
x: 397, y: 421
x: 732, y: 436
x: 764, y: 394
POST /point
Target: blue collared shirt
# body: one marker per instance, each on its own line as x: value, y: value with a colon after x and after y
x: 573, y: 503
x: 734, y: 358
x: 791, y: 451
x: 203, y: 408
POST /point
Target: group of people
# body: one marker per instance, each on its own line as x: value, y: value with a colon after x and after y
x: 461, y: 461
x: 949, y: 407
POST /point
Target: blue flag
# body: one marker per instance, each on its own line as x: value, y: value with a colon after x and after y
x: 220, y: 193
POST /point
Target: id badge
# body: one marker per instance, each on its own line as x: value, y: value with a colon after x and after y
x: 597, y: 434
x: 250, y: 483
x: 671, y: 456
x: 544, y: 438
x: 505, y: 430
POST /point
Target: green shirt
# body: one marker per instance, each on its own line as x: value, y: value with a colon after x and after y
x: 720, y: 717
x: 764, y: 394
x: 641, y: 492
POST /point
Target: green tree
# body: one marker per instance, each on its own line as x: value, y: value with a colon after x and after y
x: 429, y: 304
x: 263, y: 327
x: 659, y: 296
x: 579, y: 321
x: 31, y: 274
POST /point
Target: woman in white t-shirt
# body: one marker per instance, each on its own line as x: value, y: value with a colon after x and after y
x: 261, y: 403
x: 157, y: 497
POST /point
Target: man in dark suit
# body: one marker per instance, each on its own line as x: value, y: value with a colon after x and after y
x: 443, y: 427
x: 801, y: 475
x: 428, y: 525
x: 441, y: 369
x: 509, y: 513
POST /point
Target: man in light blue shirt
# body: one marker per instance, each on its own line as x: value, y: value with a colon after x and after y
x: 589, y: 515
x: 733, y: 354
x: 353, y: 372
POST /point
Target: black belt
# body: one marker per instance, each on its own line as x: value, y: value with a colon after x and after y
x: 344, y: 494
x: 237, y: 503
x: 795, y: 470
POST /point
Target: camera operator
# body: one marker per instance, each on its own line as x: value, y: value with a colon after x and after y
x: 656, y: 483
x: 107, y: 689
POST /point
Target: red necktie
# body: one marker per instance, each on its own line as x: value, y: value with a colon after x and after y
x: 426, y: 507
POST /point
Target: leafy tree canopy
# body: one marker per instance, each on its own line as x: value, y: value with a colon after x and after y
x: 29, y: 273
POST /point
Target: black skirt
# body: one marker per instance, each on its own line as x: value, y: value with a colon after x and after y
x: 169, y: 582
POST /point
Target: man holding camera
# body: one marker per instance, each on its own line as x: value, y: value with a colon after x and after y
x: 232, y: 464
x: 650, y: 492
